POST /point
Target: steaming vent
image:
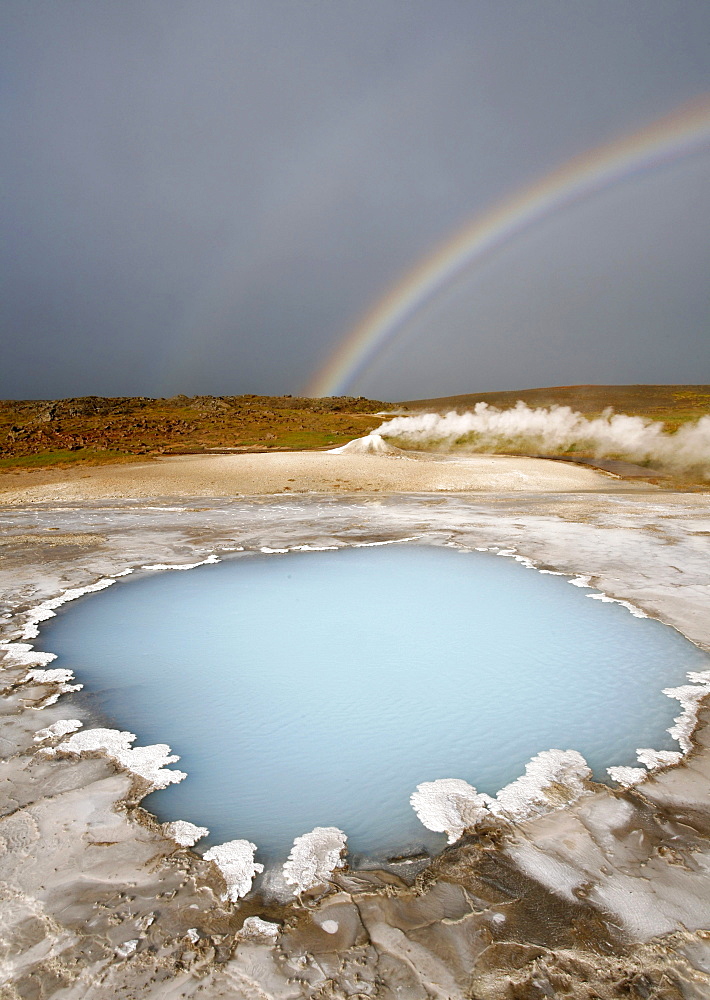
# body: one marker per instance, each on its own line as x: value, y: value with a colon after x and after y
x: 555, y: 430
x: 372, y: 444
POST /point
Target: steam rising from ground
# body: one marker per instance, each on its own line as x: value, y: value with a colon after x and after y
x: 559, y: 430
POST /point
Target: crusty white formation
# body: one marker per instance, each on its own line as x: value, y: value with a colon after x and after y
x: 552, y: 779
x: 183, y: 833
x: 148, y: 762
x: 653, y: 759
x: 61, y: 679
x: 689, y: 696
x: 450, y: 806
x: 255, y: 927
x: 46, y: 609
x: 209, y: 561
x: 371, y: 444
x: 23, y: 654
x: 606, y: 599
x: 55, y: 675
x: 314, y: 857
x: 627, y: 776
x: 235, y: 860
x: 60, y: 728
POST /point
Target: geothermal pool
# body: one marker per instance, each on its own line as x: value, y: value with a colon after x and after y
x: 319, y: 688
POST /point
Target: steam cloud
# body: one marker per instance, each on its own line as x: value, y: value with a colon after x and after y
x: 559, y: 430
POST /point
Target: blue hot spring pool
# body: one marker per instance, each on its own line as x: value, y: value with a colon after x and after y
x: 319, y: 688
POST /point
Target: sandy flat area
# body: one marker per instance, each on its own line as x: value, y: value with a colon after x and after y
x: 298, y: 472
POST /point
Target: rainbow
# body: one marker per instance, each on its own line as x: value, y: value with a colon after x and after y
x: 669, y: 138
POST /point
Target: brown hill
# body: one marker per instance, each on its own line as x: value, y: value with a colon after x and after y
x: 672, y: 404
x: 95, y: 429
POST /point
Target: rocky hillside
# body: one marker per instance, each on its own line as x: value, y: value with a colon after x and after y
x: 96, y: 429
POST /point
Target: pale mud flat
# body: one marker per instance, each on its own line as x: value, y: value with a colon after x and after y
x: 297, y: 472
x: 604, y: 895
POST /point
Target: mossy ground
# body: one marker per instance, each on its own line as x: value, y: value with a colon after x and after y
x: 94, y: 430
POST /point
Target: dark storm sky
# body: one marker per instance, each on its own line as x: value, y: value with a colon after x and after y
x: 203, y: 197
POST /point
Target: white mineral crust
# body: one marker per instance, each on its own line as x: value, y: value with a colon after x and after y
x: 689, y: 696
x: 43, y: 612
x: 184, y: 833
x: 371, y: 444
x: 314, y: 857
x: 209, y: 561
x: 653, y: 759
x: 235, y: 860
x: 627, y: 776
x: 606, y: 599
x: 552, y: 779
x: 23, y: 654
x: 55, y: 675
x: 450, y: 806
x: 147, y: 762
x: 127, y: 949
x: 255, y: 927
x: 61, y: 728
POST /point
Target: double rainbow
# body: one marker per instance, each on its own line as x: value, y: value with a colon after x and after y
x: 684, y: 132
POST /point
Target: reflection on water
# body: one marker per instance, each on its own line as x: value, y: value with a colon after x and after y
x: 320, y: 688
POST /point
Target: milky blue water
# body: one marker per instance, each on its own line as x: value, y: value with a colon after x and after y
x: 320, y: 688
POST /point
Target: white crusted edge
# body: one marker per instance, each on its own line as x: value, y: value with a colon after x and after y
x: 335, y: 548
x: 22, y: 653
x: 652, y: 760
x: 148, y: 762
x: 314, y: 857
x: 209, y: 561
x: 578, y: 580
x: 183, y: 833
x: 47, y: 609
x: 235, y: 860
x: 57, y: 676
x: 60, y: 728
x: 450, y: 806
x: 605, y: 599
x: 689, y: 696
x: 552, y: 779
x: 627, y: 776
